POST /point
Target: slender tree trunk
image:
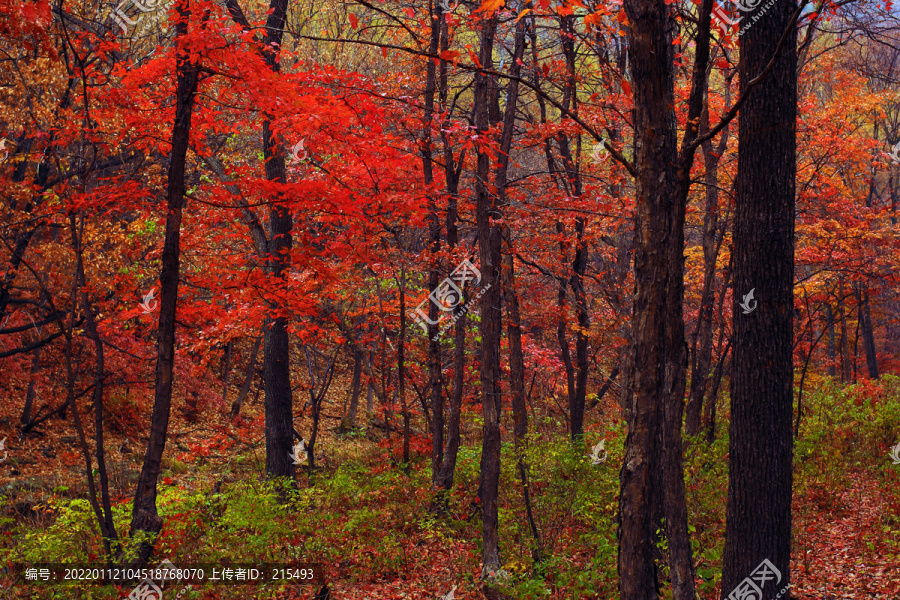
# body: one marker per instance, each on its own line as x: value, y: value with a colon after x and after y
x: 248, y: 378
x: 514, y: 329
x: 758, y: 514
x: 517, y: 391
x: 103, y: 509
x: 576, y: 377
x: 829, y: 318
x: 25, y: 419
x: 279, y: 403
x: 226, y: 369
x: 348, y: 422
x: 865, y: 320
x: 844, y: 340
x: 144, y: 517
x: 701, y: 344
x: 434, y: 231
x: 401, y: 369
x: 489, y: 248
x: 370, y: 388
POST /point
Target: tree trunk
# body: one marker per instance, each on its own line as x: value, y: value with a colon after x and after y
x: 517, y: 390
x: 226, y: 369
x: 144, y: 517
x: 701, y: 344
x: 444, y: 480
x: 652, y: 478
x: 451, y: 175
x: 829, y: 317
x: 276, y: 346
x: 865, y: 320
x: 348, y: 422
x: 489, y: 249
x: 434, y: 231
x: 401, y: 369
x: 102, y: 509
x: 758, y: 514
x: 370, y: 388
x: 25, y: 419
x: 248, y: 378
x: 844, y: 340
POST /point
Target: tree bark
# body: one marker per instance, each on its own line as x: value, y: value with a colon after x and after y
x: 758, y: 514
x: 831, y: 354
x: 348, y: 422
x: 487, y: 217
x: 25, y: 419
x: 652, y: 478
x: 434, y: 231
x: 279, y: 403
x: 248, y: 378
x: 865, y: 320
x: 701, y: 344
x: 144, y: 517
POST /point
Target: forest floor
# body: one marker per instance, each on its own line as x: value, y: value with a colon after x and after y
x: 373, y: 522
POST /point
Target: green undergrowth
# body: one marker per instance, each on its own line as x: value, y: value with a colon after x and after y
x: 366, y: 519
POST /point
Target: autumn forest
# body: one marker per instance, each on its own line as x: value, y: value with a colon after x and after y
x: 450, y: 299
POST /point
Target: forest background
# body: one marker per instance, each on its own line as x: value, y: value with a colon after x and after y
x: 463, y: 298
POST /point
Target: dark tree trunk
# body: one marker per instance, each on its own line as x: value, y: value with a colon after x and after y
x: 844, y: 341
x: 25, y: 419
x: 514, y: 328
x: 452, y: 172
x: 401, y: 369
x: 279, y: 404
x: 444, y: 480
x: 144, y: 517
x: 576, y: 376
x: 348, y: 422
x: 713, y: 397
x: 226, y: 369
x: 103, y: 509
x: 517, y: 391
x: 649, y: 41
x: 434, y: 232
x: 865, y: 320
x: 829, y: 318
x: 758, y: 514
x: 652, y: 478
x: 701, y: 344
x: 489, y: 249
x: 248, y: 378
